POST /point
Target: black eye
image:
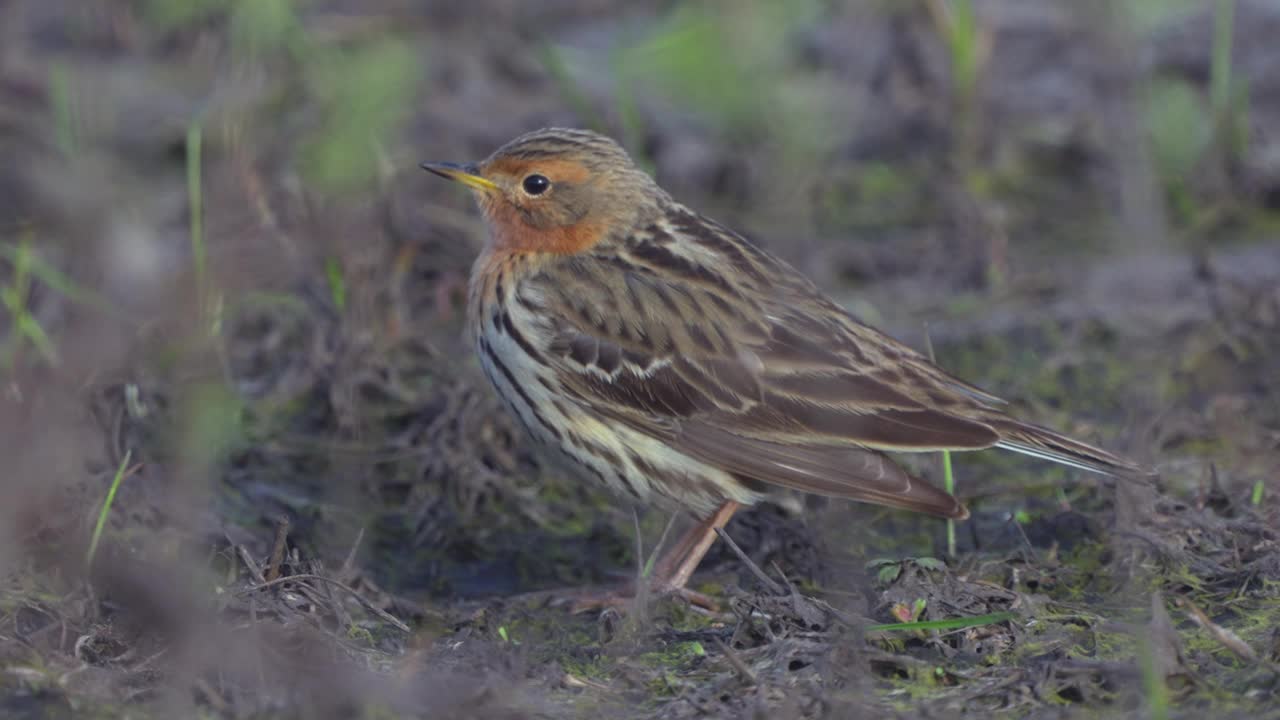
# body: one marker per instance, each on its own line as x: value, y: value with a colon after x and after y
x: 536, y: 184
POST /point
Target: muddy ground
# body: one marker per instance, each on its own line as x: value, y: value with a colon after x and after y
x: 230, y: 293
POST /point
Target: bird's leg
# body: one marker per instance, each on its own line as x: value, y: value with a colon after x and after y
x: 672, y: 571
x: 676, y: 567
x: 666, y: 563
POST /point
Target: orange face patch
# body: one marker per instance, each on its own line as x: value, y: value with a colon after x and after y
x: 512, y: 234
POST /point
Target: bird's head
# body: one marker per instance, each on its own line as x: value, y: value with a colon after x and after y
x: 556, y: 190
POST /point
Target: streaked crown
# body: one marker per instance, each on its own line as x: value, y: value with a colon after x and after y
x: 590, y: 148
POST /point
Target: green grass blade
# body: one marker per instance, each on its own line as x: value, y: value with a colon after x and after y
x: 14, y: 299
x: 106, y: 507
x: 949, y: 484
x: 337, y: 283
x: 195, y: 201
x: 31, y: 329
x: 64, y: 109
x: 948, y: 475
x: 57, y: 280
x: 1152, y: 681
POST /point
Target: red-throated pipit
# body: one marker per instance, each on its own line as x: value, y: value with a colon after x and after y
x: 672, y: 360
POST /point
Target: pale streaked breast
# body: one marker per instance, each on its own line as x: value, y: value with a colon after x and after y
x: 513, y: 342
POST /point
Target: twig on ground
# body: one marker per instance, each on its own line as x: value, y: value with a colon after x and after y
x: 350, y: 562
x: 277, y: 550
x: 745, y: 672
x: 1225, y: 637
x: 255, y: 571
x: 388, y: 617
x: 764, y: 579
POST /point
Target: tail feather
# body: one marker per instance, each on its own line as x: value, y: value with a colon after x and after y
x: 1046, y: 444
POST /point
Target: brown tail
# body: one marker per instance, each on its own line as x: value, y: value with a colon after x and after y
x: 1046, y: 444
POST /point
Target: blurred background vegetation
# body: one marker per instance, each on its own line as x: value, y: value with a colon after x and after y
x: 230, y: 297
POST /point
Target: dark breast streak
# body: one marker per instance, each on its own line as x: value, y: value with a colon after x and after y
x: 515, y: 335
x: 511, y: 354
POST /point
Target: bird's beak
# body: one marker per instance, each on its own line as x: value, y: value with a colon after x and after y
x: 468, y: 175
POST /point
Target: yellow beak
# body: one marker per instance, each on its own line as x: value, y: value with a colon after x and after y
x: 468, y: 175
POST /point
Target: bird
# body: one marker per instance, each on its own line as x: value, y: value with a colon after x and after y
x: 668, y: 357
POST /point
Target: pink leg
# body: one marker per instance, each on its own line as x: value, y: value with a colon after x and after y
x: 673, y: 569
x: 689, y: 552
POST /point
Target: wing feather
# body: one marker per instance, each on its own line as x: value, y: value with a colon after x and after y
x: 746, y: 392
x: 748, y: 368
